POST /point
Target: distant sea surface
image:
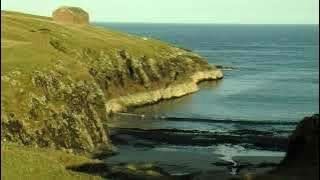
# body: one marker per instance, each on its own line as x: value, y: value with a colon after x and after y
x: 273, y: 85
x: 275, y: 75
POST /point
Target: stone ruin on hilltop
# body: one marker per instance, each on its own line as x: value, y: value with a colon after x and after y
x: 71, y: 15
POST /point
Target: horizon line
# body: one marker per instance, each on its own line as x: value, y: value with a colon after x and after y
x: 172, y: 23
x: 193, y: 23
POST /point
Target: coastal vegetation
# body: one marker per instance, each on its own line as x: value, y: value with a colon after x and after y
x: 40, y: 163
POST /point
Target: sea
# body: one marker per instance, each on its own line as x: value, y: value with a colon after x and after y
x: 271, y: 76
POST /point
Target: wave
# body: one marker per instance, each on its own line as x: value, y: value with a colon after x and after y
x: 208, y: 120
x: 230, y: 121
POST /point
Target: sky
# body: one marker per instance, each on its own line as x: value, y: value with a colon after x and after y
x: 182, y: 11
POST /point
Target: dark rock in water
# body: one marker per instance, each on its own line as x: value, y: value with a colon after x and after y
x: 128, y: 171
x: 223, y: 163
x: 302, y: 157
x: 303, y: 148
x: 198, y: 138
x: 225, y: 67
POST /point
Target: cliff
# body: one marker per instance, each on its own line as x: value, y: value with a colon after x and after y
x: 172, y: 91
x: 59, y: 81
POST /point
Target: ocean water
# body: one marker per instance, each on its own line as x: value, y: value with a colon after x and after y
x: 274, y: 84
x: 275, y: 76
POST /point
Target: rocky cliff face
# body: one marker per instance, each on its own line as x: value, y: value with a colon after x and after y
x: 153, y: 96
x: 127, y: 73
x: 60, y: 82
x: 132, y: 81
x: 64, y: 114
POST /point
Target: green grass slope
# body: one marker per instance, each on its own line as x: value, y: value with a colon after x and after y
x: 35, y: 41
x: 20, y: 162
x: 56, y: 78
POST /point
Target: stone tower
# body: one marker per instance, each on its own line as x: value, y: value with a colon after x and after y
x: 71, y: 15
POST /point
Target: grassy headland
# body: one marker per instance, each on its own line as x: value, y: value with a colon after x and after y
x: 59, y: 81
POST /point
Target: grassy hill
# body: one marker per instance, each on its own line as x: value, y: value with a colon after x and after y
x: 56, y: 80
x: 20, y: 162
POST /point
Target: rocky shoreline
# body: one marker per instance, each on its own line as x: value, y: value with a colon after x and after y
x: 122, y: 103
